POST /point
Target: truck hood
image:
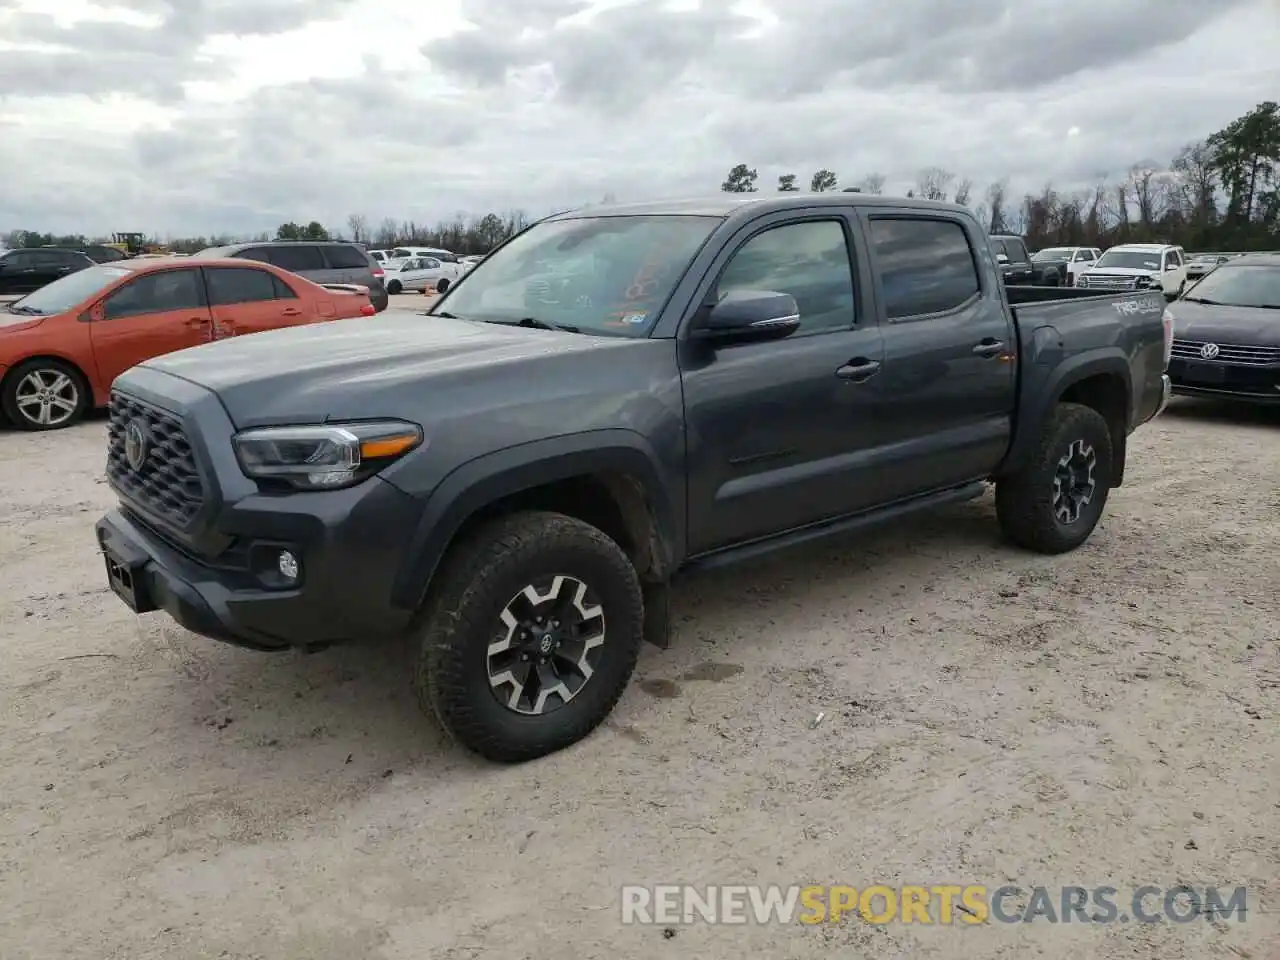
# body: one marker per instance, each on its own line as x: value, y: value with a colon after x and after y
x: 1120, y: 272
x: 1238, y: 326
x: 354, y: 368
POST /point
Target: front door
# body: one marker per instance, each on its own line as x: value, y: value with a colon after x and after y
x: 949, y: 351
x: 250, y: 300
x: 150, y: 315
x: 778, y: 433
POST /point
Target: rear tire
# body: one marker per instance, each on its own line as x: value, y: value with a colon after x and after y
x: 394, y: 287
x: 499, y: 684
x: 1053, y: 503
x: 47, y: 390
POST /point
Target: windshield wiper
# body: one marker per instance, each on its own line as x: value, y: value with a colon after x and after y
x: 1211, y: 303
x: 543, y: 325
x: 25, y: 311
x: 536, y: 324
x: 443, y: 313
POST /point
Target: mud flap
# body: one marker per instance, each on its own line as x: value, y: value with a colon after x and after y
x: 657, y: 614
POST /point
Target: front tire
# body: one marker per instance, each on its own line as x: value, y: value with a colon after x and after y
x: 1053, y: 503
x: 45, y: 395
x: 531, y: 634
x: 394, y: 287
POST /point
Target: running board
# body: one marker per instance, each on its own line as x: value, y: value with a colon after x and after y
x: 729, y: 556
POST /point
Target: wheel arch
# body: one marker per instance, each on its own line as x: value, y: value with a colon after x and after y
x: 1101, y: 380
x: 610, y: 479
x: 78, y: 369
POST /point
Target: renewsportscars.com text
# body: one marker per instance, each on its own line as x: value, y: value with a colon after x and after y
x: 941, y: 904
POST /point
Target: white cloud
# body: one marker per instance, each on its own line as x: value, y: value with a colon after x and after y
x: 232, y: 117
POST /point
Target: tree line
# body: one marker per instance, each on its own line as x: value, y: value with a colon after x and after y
x: 1220, y: 193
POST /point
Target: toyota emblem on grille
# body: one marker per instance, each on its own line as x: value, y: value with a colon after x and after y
x: 135, y: 446
x: 1209, y: 351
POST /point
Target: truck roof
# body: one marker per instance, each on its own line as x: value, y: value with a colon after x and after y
x: 1143, y: 247
x: 724, y: 205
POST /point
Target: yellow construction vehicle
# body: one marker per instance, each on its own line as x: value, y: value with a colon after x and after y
x: 135, y: 244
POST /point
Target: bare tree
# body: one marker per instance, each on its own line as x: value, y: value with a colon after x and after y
x: 996, y: 207
x: 388, y: 233
x: 872, y: 183
x: 963, y: 189
x: 358, y: 224
x: 1122, y: 218
x: 1143, y: 189
x: 1195, y: 165
x: 932, y: 183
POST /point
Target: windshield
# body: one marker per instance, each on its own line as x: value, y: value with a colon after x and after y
x: 68, y: 291
x: 1130, y: 260
x: 1240, y: 286
x: 1053, y: 253
x: 602, y: 275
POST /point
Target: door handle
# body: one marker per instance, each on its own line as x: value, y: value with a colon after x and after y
x: 989, y: 348
x: 198, y: 322
x: 859, y: 369
x: 291, y: 312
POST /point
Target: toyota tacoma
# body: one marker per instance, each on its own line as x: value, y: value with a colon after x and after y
x: 613, y: 397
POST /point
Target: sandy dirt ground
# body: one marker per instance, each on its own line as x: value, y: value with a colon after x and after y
x: 1103, y: 718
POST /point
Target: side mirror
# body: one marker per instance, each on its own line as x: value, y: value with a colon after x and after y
x: 1002, y: 258
x: 749, y: 316
x: 442, y: 285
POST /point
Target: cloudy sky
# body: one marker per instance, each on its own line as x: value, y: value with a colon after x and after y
x: 203, y: 116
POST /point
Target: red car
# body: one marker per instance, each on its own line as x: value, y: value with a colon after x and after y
x: 63, y: 345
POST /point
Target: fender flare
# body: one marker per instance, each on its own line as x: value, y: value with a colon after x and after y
x: 1042, y: 390
x: 486, y: 479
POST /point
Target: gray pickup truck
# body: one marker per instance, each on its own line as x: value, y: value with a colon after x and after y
x: 611, y: 398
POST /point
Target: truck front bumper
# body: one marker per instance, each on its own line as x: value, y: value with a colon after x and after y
x: 341, y: 591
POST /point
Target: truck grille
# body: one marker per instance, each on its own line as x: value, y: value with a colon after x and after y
x: 1102, y: 281
x: 1227, y: 353
x: 167, y: 484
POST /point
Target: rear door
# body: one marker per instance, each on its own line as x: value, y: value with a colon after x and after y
x: 949, y: 348
x: 151, y: 315
x: 250, y: 300
x: 782, y: 434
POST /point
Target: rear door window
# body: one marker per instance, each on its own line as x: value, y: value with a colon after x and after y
x: 231, y: 285
x: 925, y: 266
x: 283, y: 290
x: 296, y: 259
x: 253, y: 253
x: 345, y: 257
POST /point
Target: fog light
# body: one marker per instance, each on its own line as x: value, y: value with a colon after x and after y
x: 287, y: 564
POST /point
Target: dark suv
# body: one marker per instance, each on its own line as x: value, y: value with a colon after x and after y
x: 318, y: 261
x: 22, y: 271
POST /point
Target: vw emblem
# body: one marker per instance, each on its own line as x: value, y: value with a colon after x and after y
x: 135, y: 446
x: 1209, y: 351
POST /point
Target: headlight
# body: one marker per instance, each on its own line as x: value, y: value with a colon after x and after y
x: 324, y: 457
